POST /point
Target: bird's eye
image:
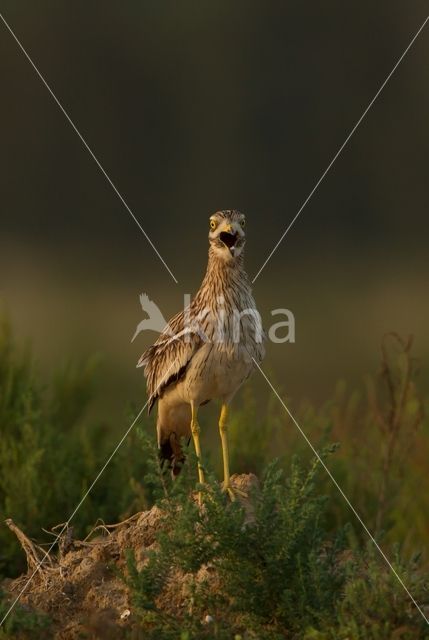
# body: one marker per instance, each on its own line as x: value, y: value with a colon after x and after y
x: 213, y: 225
x: 243, y: 222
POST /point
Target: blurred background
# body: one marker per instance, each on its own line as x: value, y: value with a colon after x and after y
x: 197, y: 106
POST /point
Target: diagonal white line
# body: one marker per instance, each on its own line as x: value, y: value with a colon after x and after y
x: 316, y: 186
x: 24, y: 588
x: 380, y: 550
x: 163, y: 379
x: 87, y: 147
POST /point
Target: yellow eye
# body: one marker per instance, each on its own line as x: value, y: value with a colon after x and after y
x: 213, y: 224
x: 243, y: 222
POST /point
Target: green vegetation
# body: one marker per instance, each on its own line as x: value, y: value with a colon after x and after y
x: 274, y: 574
x: 301, y: 567
x: 50, y: 454
x: 22, y: 623
x: 383, y: 431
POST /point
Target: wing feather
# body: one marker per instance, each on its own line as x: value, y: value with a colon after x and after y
x: 166, y: 361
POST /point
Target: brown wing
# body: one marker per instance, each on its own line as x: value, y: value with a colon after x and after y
x: 166, y: 360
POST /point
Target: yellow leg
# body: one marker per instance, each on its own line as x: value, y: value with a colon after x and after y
x: 223, y: 430
x: 195, y: 430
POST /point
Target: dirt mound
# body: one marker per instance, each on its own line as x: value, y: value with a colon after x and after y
x: 81, y: 588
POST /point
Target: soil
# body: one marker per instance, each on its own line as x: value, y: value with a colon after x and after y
x: 81, y: 588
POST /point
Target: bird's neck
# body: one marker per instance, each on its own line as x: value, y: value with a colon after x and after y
x: 226, y: 278
x: 225, y: 266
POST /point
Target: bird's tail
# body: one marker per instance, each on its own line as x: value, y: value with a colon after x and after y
x: 173, y: 427
x: 171, y: 454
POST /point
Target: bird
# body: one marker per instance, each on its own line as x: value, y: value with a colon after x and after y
x: 207, y: 350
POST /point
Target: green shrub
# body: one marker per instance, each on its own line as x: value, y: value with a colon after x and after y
x: 50, y: 454
x: 375, y: 606
x: 383, y: 431
x: 282, y: 573
x: 298, y: 570
x: 23, y: 623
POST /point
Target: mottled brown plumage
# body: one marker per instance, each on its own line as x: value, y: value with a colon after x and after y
x: 206, y: 351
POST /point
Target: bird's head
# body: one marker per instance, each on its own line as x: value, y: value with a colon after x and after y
x: 226, y: 235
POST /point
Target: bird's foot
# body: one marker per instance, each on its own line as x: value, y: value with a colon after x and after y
x: 233, y: 492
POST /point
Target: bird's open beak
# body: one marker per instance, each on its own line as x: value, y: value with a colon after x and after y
x: 229, y: 237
